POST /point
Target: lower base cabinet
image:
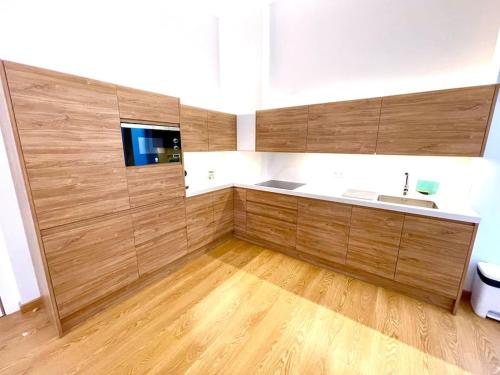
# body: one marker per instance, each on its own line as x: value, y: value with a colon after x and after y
x: 90, y: 259
x: 160, y: 234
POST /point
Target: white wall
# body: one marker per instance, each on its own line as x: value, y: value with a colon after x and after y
x: 15, y: 258
x: 323, y: 50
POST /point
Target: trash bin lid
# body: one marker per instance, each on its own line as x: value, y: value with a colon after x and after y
x: 489, y: 271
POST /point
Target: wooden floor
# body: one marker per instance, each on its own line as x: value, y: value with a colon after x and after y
x: 242, y: 309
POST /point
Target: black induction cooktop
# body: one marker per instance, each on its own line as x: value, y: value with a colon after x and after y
x: 281, y: 184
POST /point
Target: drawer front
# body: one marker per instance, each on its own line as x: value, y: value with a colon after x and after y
x: 240, y: 211
x: 374, y: 240
x: 90, y: 260
x: 433, y: 254
x: 323, y: 229
x: 273, y: 199
x: 271, y: 230
x: 160, y: 234
x: 278, y: 213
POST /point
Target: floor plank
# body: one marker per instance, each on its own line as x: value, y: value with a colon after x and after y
x: 243, y: 309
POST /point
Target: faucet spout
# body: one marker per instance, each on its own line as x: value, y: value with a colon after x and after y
x: 406, y: 187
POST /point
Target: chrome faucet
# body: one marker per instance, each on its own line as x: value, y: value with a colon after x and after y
x: 405, y: 189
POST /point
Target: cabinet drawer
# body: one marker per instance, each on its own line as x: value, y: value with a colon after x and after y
x: 160, y: 234
x: 323, y: 229
x: 433, y: 254
x: 374, y: 240
x: 278, y: 213
x: 273, y: 199
x: 90, y: 259
x: 272, y: 230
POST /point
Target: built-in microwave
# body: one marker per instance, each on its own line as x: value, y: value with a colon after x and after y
x: 150, y: 144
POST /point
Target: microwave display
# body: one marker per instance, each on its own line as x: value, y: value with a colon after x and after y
x: 150, y: 144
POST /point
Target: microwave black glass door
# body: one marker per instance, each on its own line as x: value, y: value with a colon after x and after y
x: 150, y: 144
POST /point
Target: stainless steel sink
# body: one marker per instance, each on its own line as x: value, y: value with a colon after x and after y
x: 407, y: 201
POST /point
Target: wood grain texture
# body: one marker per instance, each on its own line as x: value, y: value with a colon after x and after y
x: 69, y: 130
x: 446, y: 122
x: 273, y: 199
x: 90, y: 259
x: 271, y: 230
x: 374, y: 240
x: 200, y: 220
x: 159, y: 234
x: 323, y: 229
x: 250, y: 310
x: 284, y: 214
x: 221, y: 131
x: 10, y: 135
x: 147, y: 106
x: 194, y: 128
x: 240, y: 210
x: 433, y: 253
x: 282, y: 130
x: 344, y: 127
x: 155, y: 183
x: 223, y: 211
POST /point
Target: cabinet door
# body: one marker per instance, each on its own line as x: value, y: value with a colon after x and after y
x: 240, y: 211
x: 200, y: 221
x: 155, y: 183
x: 221, y: 131
x: 323, y: 229
x: 344, y: 127
x: 69, y: 130
x: 223, y: 211
x: 374, y: 241
x: 160, y: 234
x: 433, y: 254
x: 447, y: 122
x: 283, y: 129
x: 194, y: 128
x: 90, y: 259
x: 147, y: 106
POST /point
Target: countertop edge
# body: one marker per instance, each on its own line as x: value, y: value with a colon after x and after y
x: 345, y: 200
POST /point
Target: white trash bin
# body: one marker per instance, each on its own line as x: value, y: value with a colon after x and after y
x: 485, y: 297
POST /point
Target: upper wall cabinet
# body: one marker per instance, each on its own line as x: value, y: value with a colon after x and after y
x: 194, y: 128
x: 69, y: 130
x: 283, y: 129
x: 221, y: 131
x: 344, y: 127
x: 447, y: 122
x: 141, y: 105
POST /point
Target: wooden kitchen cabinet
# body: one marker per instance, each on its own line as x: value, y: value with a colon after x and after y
x: 433, y: 254
x: 200, y: 221
x: 323, y: 229
x: 155, y: 183
x: 223, y: 211
x: 374, y: 240
x: 282, y: 130
x: 271, y: 217
x: 446, y: 122
x: 90, y: 259
x: 194, y: 128
x: 240, y: 211
x: 221, y: 131
x: 344, y: 127
x: 160, y: 234
x: 69, y: 132
x: 139, y: 105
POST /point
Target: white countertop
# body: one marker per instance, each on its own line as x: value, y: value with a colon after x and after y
x: 445, y: 210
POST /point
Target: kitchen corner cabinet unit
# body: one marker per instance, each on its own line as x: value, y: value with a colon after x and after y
x: 205, y: 130
x: 96, y: 228
x: 446, y: 122
x: 424, y: 257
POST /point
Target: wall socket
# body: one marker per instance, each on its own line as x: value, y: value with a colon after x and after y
x: 338, y: 174
x: 211, y: 175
